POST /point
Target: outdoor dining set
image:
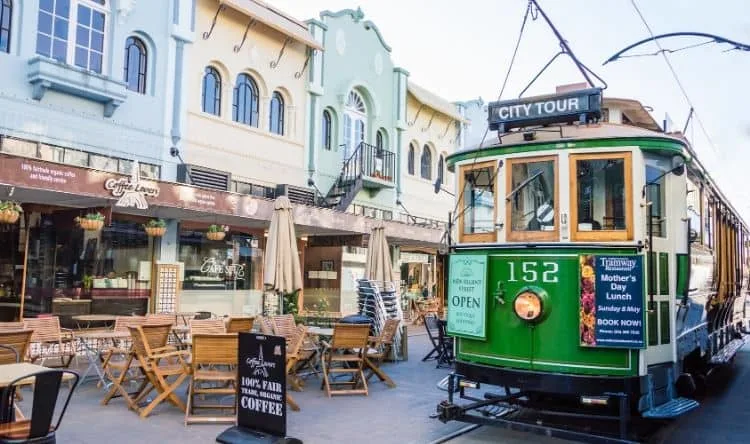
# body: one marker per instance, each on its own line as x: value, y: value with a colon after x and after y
x: 187, y: 360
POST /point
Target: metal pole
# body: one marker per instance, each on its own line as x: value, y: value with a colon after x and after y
x: 563, y: 43
x: 25, y: 265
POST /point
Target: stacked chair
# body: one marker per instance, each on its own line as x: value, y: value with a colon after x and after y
x: 379, y: 302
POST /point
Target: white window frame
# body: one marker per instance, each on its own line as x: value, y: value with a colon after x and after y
x: 72, y: 27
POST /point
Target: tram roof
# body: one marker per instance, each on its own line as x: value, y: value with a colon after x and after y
x: 570, y: 136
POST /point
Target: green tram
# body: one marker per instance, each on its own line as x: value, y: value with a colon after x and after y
x: 598, y: 270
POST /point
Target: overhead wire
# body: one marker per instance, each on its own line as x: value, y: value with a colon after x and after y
x: 529, y: 12
x: 676, y: 77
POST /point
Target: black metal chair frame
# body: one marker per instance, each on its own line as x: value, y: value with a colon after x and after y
x: 445, y: 357
x: 436, y: 345
x: 46, y: 392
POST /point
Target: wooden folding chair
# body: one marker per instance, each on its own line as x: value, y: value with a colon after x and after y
x: 292, y: 357
x: 379, y: 349
x: 14, y: 345
x: 266, y: 325
x: 128, y: 369
x: 52, y: 343
x: 240, y: 324
x: 346, y: 337
x: 284, y: 325
x: 158, y: 372
x: 210, y: 351
x: 161, y: 318
x: 117, y: 360
x: 207, y: 327
x: 11, y: 326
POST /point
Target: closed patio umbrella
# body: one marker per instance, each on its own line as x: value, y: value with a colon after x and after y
x: 282, y: 272
x: 378, y: 266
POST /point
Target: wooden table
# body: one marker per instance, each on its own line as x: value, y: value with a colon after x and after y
x: 319, y: 331
x: 92, y: 352
x: 12, y: 372
x: 88, y: 319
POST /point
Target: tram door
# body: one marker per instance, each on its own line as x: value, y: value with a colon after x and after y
x: 669, y: 233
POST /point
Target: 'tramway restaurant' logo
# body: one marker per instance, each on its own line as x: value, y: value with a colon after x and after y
x: 131, y: 191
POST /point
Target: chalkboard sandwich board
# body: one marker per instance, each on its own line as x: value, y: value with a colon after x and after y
x: 261, y: 392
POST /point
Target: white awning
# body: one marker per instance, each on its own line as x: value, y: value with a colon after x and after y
x: 275, y: 19
x: 435, y: 102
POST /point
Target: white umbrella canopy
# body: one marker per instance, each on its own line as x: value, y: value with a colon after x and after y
x: 282, y: 272
x: 378, y: 266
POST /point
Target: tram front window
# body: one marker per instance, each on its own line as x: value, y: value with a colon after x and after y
x: 479, y: 201
x: 531, y: 197
x: 601, y: 194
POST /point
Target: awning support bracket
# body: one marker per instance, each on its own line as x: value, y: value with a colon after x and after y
x: 275, y: 63
x: 310, y: 54
x: 250, y: 24
x: 429, y: 124
x: 208, y: 33
x: 445, y: 133
x: 416, y: 116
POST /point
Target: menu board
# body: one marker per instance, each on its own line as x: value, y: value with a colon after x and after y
x: 262, y: 383
x: 467, y: 294
x: 611, y: 302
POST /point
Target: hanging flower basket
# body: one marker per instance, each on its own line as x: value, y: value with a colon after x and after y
x: 155, y: 227
x: 10, y: 212
x: 217, y: 232
x: 91, y: 221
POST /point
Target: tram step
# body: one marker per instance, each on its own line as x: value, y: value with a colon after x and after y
x: 671, y: 409
x: 727, y: 353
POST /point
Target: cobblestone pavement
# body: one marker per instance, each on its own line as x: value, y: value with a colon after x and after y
x: 397, y: 415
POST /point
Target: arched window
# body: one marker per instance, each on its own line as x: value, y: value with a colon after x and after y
x: 355, y: 116
x: 379, y: 141
x: 212, y: 91
x: 276, y: 125
x: 245, y: 101
x: 326, y: 130
x: 410, y: 159
x: 440, y: 169
x: 6, y: 13
x: 135, y: 65
x: 426, y: 163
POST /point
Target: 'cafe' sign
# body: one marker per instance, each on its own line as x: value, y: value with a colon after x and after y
x: 132, y: 193
x: 583, y: 106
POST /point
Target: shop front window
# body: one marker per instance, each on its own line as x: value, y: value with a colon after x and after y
x: 71, y: 271
x: 531, y: 200
x: 477, y: 203
x: 221, y: 276
x: 602, y: 197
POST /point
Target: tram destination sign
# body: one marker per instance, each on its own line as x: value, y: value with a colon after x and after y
x: 582, y: 106
x: 467, y: 300
x: 612, y: 302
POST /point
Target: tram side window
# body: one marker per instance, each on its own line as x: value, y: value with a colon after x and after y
x: 478, y: 204
x: 531, y: 199
x: 656, y: 195
x: 602, y: 197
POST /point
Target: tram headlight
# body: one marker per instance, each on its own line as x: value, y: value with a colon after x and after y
x: 528, y: 305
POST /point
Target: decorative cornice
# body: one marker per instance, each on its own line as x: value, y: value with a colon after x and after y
x: 400, y: 70
x: 357, y: 15
x: 370, y: 25
x: 318, y: 23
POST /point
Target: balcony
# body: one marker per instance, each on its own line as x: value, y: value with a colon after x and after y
x: 376, y: 167
x: 44, y: 73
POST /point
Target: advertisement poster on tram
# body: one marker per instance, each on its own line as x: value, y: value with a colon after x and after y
x: 467, y: 309
x: 612, y: 305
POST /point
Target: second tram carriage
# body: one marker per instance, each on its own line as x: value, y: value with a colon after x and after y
x: 598, y: 269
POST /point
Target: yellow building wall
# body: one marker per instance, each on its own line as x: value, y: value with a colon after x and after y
x: 250, y: 154
x: 418, y: 194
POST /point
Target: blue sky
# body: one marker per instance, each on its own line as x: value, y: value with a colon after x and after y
x: 461, y: 50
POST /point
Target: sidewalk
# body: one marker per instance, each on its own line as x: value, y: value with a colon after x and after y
x: 398, y: 415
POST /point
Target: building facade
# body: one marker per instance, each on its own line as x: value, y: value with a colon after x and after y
x: 145, y: 147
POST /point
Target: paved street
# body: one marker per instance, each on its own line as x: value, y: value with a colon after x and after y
x: 399, y: 415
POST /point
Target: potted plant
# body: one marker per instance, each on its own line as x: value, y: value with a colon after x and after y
x: 9, y: 211
x: 155, y: 227
x: 217, y: 232
x: 91, y: 221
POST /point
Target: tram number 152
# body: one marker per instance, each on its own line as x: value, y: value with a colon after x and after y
x: 530, y: 271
